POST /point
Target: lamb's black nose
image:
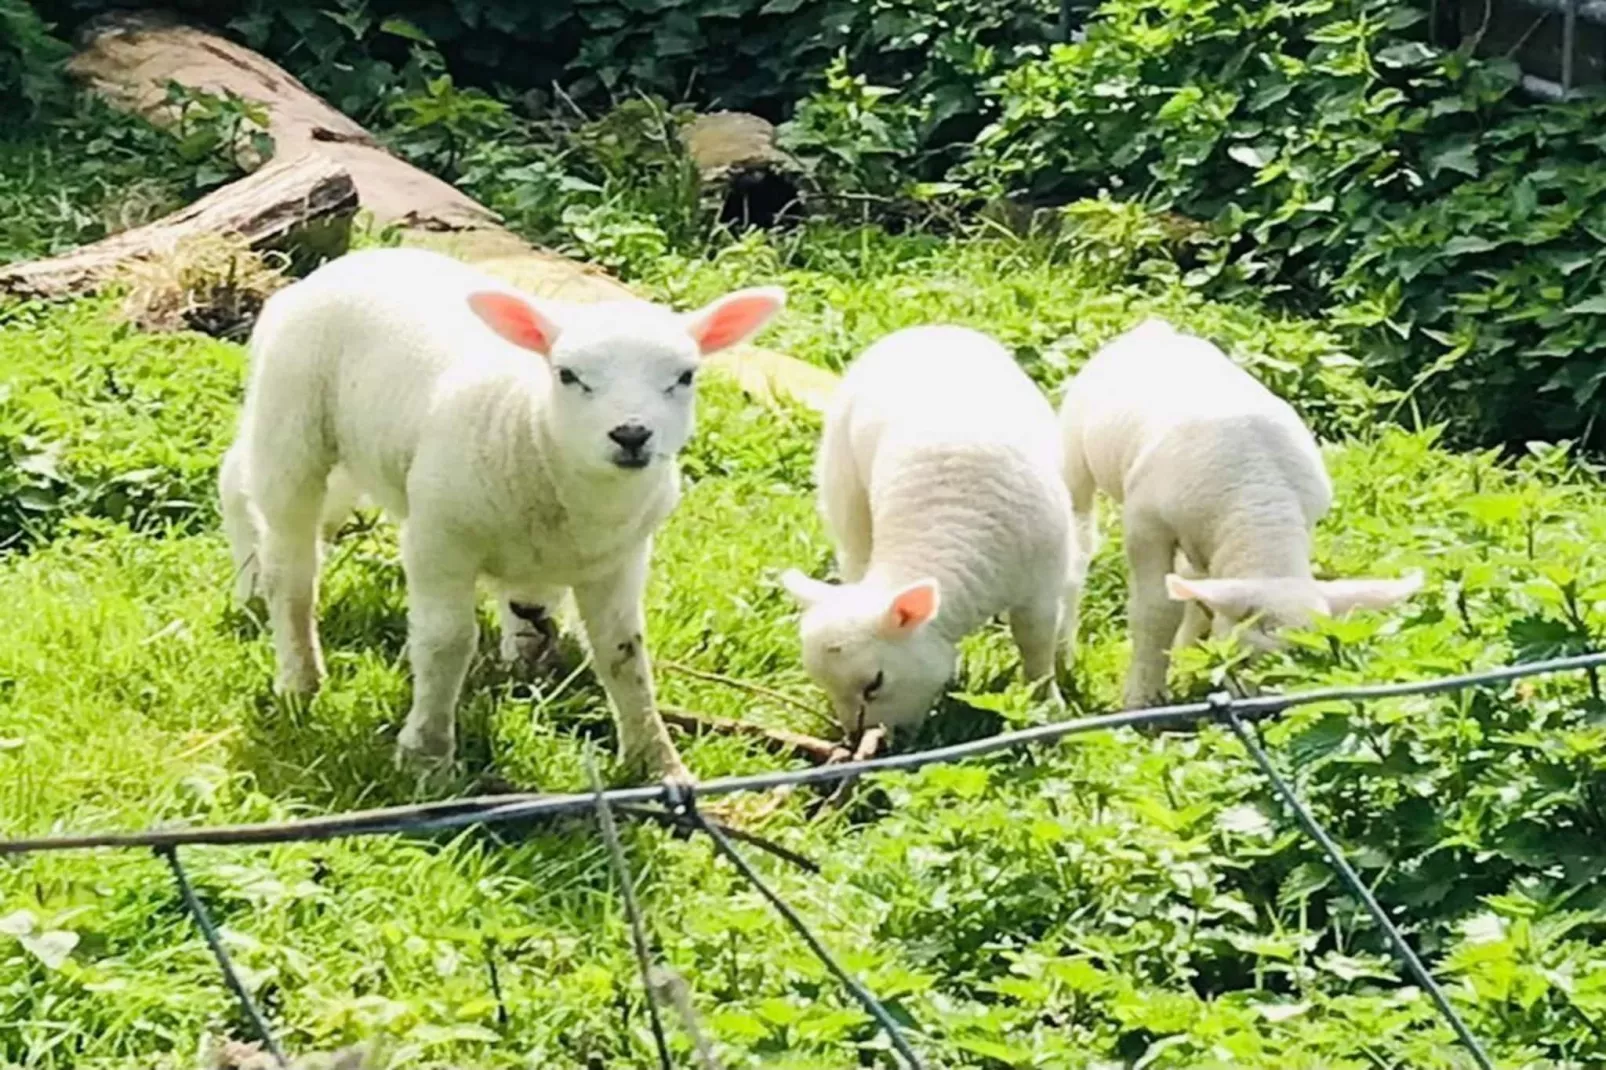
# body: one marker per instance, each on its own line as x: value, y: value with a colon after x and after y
x: 630, y: 437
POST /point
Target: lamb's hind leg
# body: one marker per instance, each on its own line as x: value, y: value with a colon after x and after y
x: 1036, y: 628
x: 242, y: 524
x: 289, y: 498
x: 1153, y: 617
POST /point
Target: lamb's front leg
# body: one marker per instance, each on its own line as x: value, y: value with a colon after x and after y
x: 1036, y: 629
x: 1152, y: 615
x: 441, y: 635
x: 1196, y: 621
x: 615, y: 625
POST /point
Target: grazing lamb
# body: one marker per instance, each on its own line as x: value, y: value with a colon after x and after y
x: 529, y: 442
x: 939, y: 476
x: 1218, y: 477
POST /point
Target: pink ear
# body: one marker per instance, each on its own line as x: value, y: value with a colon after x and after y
x: 1345, y: 595
x: 912, y: 607
x: 516, y: 320
x: 734, y: 317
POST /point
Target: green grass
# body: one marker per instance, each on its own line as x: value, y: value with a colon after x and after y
x: 1119, y: 901
x: 82, y: 171
x: 99, y: 421
x: 1078, y: 905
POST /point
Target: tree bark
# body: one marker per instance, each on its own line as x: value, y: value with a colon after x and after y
x: 274, y: 208
x: 130, y: 59
x: 740, y: 164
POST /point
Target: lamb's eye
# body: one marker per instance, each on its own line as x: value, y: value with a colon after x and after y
x: 873, y: 688
x: 685, y: 379
x: 568, y: 378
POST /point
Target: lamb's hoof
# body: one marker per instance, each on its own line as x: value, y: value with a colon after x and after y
x: 1054, y: 700
x: 531, y: 654
x: 421, y: 750
x: 662, y: 763
x: 298, y: 681
x: 1145, y: 700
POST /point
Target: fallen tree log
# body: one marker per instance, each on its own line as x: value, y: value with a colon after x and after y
x: 131, y: 58
x: 295, y: 205
x: 740, y: 164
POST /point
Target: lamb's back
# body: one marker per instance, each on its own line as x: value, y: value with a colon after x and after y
x: 959, y: 451
x: 940, y: 389
x: 381, y: 351
x: 1155, y: 397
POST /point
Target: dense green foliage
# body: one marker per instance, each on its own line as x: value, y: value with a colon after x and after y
x: 1455, y: 228
x: 751, y: 54
x: 98, y: 421
x: 1451, y: 229
x: 80, y: 171
x: 29, y: 55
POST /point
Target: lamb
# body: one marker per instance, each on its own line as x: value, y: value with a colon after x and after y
x: 1216, y: 476
x: 411, y: 378
x: 939, y: 481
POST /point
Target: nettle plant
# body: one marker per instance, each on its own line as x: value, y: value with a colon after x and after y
x: 1450, y: 225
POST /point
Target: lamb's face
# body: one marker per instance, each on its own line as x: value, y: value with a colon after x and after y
x: 623, y: 372
x: 623, y: 399
x: 1273, y: 610
x: 868, y: 648
x: 1258, y: 610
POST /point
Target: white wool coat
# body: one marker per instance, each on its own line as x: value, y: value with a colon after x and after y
x: 939, y: 460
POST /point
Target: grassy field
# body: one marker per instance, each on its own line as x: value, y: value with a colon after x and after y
x: 1119, y: 901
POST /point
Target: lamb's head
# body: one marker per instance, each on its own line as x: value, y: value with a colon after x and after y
x: 870, y: 648
x: 623, y: 372
x: 1267, y: 606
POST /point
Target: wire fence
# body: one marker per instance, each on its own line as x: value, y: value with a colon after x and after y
x: 676, y: 806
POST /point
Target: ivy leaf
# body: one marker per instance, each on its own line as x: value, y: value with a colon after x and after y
x: 1256, y: 156
x: 1463, y: 244
x: 1404, y: 54
x: 1009, y: 1054
x: 1594, y: 306
x: 1281, y: 1012
x: 17, y: 923
x: 1306, y: 880
x: 1245, y: 819
x: 1461, y: 158
x: 399, y: 27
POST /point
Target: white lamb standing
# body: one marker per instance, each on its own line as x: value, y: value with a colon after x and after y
x: 1217, y: 477
x: 939, y: 480
x: 525, y: 441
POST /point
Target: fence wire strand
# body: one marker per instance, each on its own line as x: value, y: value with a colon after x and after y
x: 1224, y: 705
x: 866, y: 999
x: 678, y: 808
x: 627, y: 894
x: 214, y: 940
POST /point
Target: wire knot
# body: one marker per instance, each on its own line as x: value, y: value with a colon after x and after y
x: 1220, y: 703
x: 680, y: 796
